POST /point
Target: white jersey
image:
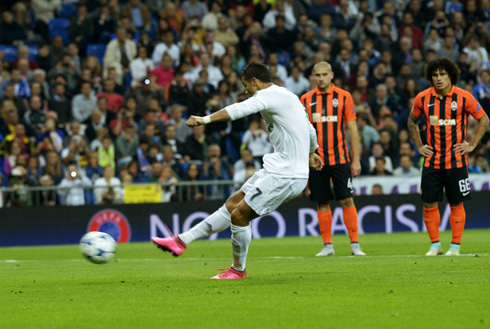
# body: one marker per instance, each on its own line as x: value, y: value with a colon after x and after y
x: 290, y: 132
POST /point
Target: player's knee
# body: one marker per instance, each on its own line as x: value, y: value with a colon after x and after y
x: 347, y: 203
x: 238, y: 217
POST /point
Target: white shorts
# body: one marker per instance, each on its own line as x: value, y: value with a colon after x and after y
x: 264, y: 192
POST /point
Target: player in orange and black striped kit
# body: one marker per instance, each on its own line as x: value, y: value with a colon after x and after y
x: 331, y: 110
x: 446, y: 109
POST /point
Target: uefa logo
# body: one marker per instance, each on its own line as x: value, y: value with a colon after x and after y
x: 112, y: 222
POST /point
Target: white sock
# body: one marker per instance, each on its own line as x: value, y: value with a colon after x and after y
x: 240, y: 240
x: 216, y: 222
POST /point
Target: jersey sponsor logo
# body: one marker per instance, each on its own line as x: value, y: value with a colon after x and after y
x: 435, y: 121
x: 447, y: 122
x: 330, y: 118
x: 317, y: 117
x: 112, y: 222
x: 335, y: 102
x: 454, y: 106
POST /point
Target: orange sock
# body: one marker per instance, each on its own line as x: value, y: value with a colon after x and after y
x: 432, y: 221
x: 350, y: 221
x: 457, y: 220
x: 325, y: 222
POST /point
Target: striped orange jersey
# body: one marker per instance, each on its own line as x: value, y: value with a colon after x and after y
x: 329, y: 112
x: 446, y: 120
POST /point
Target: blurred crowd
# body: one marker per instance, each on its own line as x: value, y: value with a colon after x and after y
x: 96, y: 92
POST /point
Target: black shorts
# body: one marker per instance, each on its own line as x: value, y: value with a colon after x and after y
x: 319, y: 183
x: 454, y: 181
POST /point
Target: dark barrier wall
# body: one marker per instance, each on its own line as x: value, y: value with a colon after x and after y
x: 65, y: 225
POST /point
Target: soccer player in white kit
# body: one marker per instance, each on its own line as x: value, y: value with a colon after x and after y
x: 285, y: 172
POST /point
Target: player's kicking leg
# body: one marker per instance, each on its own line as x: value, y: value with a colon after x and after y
x: 214, y: 223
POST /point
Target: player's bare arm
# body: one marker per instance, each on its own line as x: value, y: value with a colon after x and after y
x: 413, y: 129
x: 355, y: 166
x: 221, y: 115
x: 466, y: 147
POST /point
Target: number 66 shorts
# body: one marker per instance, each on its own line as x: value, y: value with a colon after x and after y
x: 454, y: 181
x: 264, y: 192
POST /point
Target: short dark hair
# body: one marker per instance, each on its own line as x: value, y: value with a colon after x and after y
x: 445, y: 64
x: 258, y: 71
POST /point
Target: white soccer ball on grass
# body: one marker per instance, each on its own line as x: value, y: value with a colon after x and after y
x: 98, y: 247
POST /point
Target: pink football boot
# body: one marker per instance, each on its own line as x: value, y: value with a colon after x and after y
x: 173, y: 245
x: 230, y: 274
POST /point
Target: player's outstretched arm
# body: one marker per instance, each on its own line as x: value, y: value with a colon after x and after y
x: 413, y: 129
x: 221, y: 115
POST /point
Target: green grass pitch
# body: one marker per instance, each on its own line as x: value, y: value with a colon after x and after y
x: 393, y: 287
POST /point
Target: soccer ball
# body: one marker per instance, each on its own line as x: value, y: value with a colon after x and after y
x: 98, y: 247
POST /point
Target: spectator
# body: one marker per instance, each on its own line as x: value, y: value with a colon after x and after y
x: 21, y: 87
x: 197, y: 99
x: 214, y: 73
x: 81, y: 28
x: 77, y: 151
x: 93, y: 170
x: 19, y: 181
x: 241, y: 164
x: 171, y: 139
x: 280, y: 38
x: 84, y: 103
x: 46, y: 197
x: 138, y: 14
x: 12, y: 32
x: 53, y: 166
x: 377, y: 189
x: 169, y: 160
x: 144, y: 94
x: 119, y: 54
x: 256, y: 139
x: 477, y: 54
x: 60, y: 104
x: 127, y: 144
x: 105, y: 25
x: 483, y: 87
x: 166, y: 46
x: 210, y: 20
x: 449, y: 49
x: 406, y: 168
x: 35, y: 116
x: 177, y: 92
x: 224, y: 34
x: 278, y: 10
x: 217, y: 168
x: 114, y: 100
x: 10, y: 158
x: 194, y: 9
x: 368, y: 133
x: 135, y: 172
x: 380, y: 168
x: 19, y: 136
x: 17, y: 102
x: 182, y: 130
x: 164, y: 73
x: 72, y: 187
x: 193, y: 192
x: 106, y: 153
x: 377, y: 152
x: 57, y: 50
x: 169, y: 181
x: 107, y: 188
x: 141, y: 66
x: 196, y: 144
x: 296, y: 82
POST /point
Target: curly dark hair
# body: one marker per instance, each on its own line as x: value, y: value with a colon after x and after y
x: 445, y: 64
x: 258, y: 71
